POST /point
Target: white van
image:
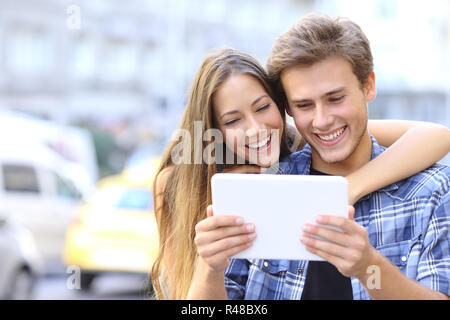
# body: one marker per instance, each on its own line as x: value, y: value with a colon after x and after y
x: 71, y: 143
x: 40, y: 190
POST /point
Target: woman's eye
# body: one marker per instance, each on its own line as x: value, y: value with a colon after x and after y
x: 263, y: 107
x: 229, y: 123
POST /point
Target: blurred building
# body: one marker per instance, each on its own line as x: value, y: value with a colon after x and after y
x: 127, y: 57
x: 133, y: 61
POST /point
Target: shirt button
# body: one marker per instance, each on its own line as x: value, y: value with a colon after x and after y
x: 266, y: 264
x: 404, y: 259
x: 300, y: 271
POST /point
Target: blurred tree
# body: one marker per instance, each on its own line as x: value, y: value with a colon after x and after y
x: 110, y: 156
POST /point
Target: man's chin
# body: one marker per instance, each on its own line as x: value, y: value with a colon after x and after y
x: 333, y: 157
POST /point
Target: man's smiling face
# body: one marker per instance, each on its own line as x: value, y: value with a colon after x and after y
x: 329, y: 108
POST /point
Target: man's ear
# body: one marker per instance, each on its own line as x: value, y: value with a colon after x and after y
x: 370, y: 89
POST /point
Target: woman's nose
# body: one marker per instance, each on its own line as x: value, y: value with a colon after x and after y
x: 255, y: 129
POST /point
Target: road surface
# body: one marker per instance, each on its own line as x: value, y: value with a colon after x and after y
x: 107, y: 286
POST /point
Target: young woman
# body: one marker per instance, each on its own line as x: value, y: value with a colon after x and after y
x: 231, y: 93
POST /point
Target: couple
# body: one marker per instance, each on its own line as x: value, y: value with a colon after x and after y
x: 321, y: 73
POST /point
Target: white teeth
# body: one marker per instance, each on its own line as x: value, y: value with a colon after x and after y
x: 332, y: 136
x: 260, y: 144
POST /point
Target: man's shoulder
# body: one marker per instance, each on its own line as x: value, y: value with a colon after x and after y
x: 293, y: 157
x: 434, y: 180
x: 297, y: 162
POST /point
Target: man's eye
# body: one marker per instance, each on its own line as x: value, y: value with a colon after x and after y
x: 337, y: 99
x: 229, y: 123
x: 263, y: 107
x: 303, y: 105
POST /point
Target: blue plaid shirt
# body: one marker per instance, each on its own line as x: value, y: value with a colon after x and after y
x: 408, y: 222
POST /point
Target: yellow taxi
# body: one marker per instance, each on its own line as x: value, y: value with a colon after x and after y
x: 115, y: 229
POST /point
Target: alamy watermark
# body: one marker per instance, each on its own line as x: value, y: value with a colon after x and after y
x: 73, y: 281
x: 208, y: 146
x: 374, y: 280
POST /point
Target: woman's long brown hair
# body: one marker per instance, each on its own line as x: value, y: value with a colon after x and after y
x: 187, y: 192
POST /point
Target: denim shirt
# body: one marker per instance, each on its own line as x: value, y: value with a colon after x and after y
x: 408, y: 222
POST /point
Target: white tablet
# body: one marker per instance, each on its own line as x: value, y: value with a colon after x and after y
x: 279, y: 206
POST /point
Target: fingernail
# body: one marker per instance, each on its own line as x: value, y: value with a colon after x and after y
x: 307, y: 228
x: 250, y: 227
x: 239, y: 221
x: 320, y: 219
x: 252, y: 236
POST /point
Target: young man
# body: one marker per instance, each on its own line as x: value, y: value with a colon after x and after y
x: 396, y: 245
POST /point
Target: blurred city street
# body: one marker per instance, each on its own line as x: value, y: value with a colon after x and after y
x: 106, y: 287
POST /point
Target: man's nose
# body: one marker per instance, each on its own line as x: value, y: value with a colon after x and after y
x: 322, y: 118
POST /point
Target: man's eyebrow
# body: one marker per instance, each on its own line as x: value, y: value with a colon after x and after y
x: 236, y: 111
x: 329, y: 93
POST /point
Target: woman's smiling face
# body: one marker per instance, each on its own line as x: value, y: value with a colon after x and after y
x: 248, y: 119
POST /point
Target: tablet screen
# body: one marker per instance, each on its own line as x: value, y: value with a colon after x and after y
x: 279, y: 206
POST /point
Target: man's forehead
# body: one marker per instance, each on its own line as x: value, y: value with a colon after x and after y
x: 326, y: 66
x: 321, y: 78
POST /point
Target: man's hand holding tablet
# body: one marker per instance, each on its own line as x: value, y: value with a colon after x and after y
x: 349, y: 251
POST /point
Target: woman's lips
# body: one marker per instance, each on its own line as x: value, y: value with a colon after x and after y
x: 260, y: 146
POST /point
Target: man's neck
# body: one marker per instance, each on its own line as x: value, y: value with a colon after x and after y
x: 360, y: 156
